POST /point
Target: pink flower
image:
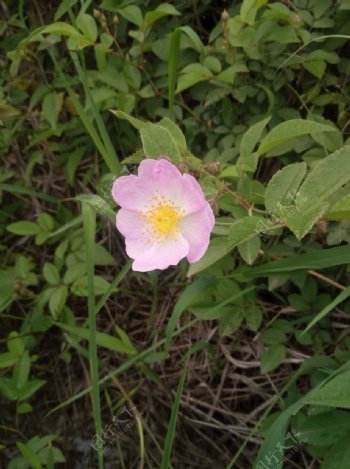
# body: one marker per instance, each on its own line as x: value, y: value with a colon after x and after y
x: 164, y: 216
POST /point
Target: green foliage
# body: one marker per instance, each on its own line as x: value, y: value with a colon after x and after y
x: 254, y: 102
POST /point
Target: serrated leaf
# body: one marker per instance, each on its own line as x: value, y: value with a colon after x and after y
x: 327, y: 176
x: 338, y: 456
x: 98, y: 203
x: 175, y: 131
x: 324, y: 429
x: 283, y: 186
x: 243, y: 229
x: 157, y: 141
x: 289, y: 130
x: 137, y: 123
x: 335, y: 393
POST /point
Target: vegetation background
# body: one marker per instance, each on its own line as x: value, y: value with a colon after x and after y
x: 240, y: 360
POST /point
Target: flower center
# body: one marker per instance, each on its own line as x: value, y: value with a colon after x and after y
x: 161, y: 220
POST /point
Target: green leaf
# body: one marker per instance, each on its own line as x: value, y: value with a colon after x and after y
x: 8, y: 389
x: 137, y: 123
x: 301, y: 221
x: 171, y: 431
x: 176, y: 133
x: 249, y: 140
x: 289, y: 130
x: 8, y: 359
x: 23, y: 228
x: 217, y: 249
x: 195, y: 39
x: 45, y: 221
x: 319, y: 259
x: 30, y: 388
x: 29, y: 455
x: 164, y: 9
x: 192, y: 74
x: 335, y: 393
x: 133, y: 14
x: 7, y: 111
x: 24, y: 408
x: 51, y: 274
x: 157, y: 141
x: 188, y: 295
x: 15, y: 343
x: 283, y: 186
x: 339, y: 299
x: 87, y: 25
x: 21, y: 371
x: 273, y: 335
x: 52, y: 105
x: 340, y: 210
x: 58, y: 300
x: 249, y: 9
x: 102, y: 339
x: 273, y: 357
x: 60, y: 28
x: 79, y: 287
x: 99, y: 204
x: 326, y: 177
x: 74, y: 272
x: 315, y: 67
x: 338, y: 456
x: 324, y: 429
x: 249, y: 250
x: 243, y: 229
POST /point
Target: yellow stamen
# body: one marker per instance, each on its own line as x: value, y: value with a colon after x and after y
x: 161, y: 220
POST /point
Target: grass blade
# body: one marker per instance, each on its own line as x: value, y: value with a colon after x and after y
x: 122, y: 368
x: 165, y: 464
x: 113, y: 164
x: 312, y: 260
x: 110, y: 151
x: 89, y: 220
x: 339, y: 299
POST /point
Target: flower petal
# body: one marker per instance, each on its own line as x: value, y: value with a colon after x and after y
x: 162, y: 255
x: 196, y: 229
x: 131, y: 193
x: 129, y: 222
x: 164, y: 179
